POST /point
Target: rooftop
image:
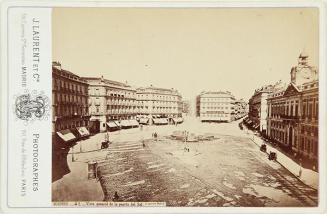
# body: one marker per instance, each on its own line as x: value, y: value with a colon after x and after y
x: 106, y: 81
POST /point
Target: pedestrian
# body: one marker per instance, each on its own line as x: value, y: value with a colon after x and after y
x: 143, y: 144
x: 300, y: 171
x: 116, y: 196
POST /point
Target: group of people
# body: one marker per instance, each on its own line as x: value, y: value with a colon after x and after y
x: 186, y: 133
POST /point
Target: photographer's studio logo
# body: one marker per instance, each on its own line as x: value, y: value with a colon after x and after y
x: 32, y: 106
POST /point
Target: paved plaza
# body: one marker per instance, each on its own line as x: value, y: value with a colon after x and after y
x: 227, y: 171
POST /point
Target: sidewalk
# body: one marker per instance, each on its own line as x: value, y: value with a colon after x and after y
x: 76, y: 186
x: 307, y: 176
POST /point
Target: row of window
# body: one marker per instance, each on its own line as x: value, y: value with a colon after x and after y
x: 308, y: 145
x: 138, y: 107
x: 215, y: 108
x: 288, y: 110
x: 62, y: 111
x: 310, y: 109
x: 59, y: 84
x: 71, y: 124
x: 215, y: 103
x: 303, y: 128
x: 69, y: 98
x: 215, y: 99
x: 214, y: 115
x: 278, y: 135
x: 305, y: 144
x: 97, y: 109
x: 158, y: 97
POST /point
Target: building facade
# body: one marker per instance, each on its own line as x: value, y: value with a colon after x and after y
x: 215, y: 106
x: 69, y: 100
x: 159, y: 102
x: 70, y: 118
x: 258, y: 108
x: 110, y: 101
x: 293, y: 113
x: 186, y: 107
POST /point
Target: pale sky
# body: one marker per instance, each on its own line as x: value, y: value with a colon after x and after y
x: 188, y: 49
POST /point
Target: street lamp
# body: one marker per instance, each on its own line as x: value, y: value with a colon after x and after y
x: 73, y: 154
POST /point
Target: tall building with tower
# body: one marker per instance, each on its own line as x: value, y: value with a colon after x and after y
x: 293, y: 113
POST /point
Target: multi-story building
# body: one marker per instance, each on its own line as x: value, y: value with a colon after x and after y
x: 69, y: 103
x: 154, y: 102
x: 258, y: 108
x: 186, y: 107
x: 70, y: 118
x: 111, y: 103
x: 293, y: 112
x: 240, y: 109
x: 215, y: 106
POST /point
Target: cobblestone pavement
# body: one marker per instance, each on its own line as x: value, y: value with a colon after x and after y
x: 228, y: 171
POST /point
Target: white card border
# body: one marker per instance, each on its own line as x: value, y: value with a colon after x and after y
x: 322, y: 97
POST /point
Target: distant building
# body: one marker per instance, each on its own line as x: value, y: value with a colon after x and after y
x: 215, y: 106
x: 111, y: 101
x: 186, y: 107
x: 258, y: 108
x: 154, y: 102
x: 293, y: 113
x: 239, y: 109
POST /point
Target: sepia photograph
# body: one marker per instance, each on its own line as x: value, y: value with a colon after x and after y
x: 185, y: 106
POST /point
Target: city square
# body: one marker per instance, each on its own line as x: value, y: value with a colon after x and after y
x: 229, y: 170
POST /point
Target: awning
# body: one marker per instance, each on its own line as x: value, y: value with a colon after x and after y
x: 66, y: 135
x: 160, y: 121
x: 125, y: 123
x: 144, y: 120
x: 178, y: 120
x: 133, y: 122
x: 83, y: 131
x: 112, y: 124
x: 156, y: 121
x: 164, y: 120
